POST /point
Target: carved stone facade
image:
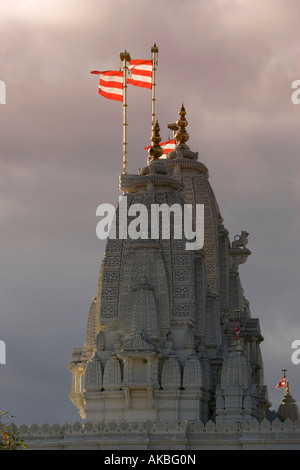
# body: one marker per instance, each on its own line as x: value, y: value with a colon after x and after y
x: 160, y: 330
x: 160, y: 350
x: 188, y: 436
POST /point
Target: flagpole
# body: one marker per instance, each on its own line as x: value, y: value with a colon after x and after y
x: 154, y: 50
x: 286, y: 387
x: 125, y: 57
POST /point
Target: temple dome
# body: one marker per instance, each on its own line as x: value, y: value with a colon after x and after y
x: 288, y: 408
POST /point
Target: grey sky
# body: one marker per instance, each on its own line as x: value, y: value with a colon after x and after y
x: 232, y: 63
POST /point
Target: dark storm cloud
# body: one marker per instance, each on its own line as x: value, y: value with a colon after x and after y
x: 232, y: 64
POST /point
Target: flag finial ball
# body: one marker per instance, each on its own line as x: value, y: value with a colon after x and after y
x: 125, y: 56
x: 154, y: 48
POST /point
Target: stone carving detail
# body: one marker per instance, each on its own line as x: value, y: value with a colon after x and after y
x: 197, y: 189
x: 108, y: 311
x: 109, y: 294
x: 192, y: 373
x: 183, y: 292
x: 93, y: 375
x: 110, y: 277
x: 189, y: 340
x: 143, y: 311
x: 111, y: 262
x: 99, y: 341
x: 152, y: 290
x: 212, y: 322
x: 114, y: 246
x: 236, y: 372
x: 273, y: 435
x: 138, y: 343
x: 171, y: 373
x: 183, y: 310
x: 181, y: 260
x: 178, y: 245
x: 112, y: 376
x: 144, y: 291
x: 239, y: 253
x: 182, y: 275
x: 240, y: 241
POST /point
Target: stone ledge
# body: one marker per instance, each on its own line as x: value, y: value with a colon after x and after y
x: 155, y: 435
x: 156, y: 427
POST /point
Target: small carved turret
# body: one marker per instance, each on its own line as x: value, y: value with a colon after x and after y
x: 288, y: 408
x: 112, y: 375
x: 171, y: 373
x: 93, y: 375
x: 192, y: 373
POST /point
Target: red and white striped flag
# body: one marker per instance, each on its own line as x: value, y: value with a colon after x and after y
x: 167, y: 146
x: 237, y: 332
x: 141, y: 73
x: 281, y: 383
x: 110, y: 84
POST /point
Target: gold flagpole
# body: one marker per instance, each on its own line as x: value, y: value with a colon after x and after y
x: 125, y: 57
x: 154, y: 50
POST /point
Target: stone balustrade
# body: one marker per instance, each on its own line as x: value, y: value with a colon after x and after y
x: 151, y: 435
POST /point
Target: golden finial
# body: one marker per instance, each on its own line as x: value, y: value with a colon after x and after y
x: 181, y: 135
x: 154, y: 48
x: 155, y: 151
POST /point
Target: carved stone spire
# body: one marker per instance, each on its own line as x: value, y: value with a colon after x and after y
x: 235, y: 393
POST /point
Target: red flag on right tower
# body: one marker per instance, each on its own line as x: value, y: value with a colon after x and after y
x: 281, y: 383
x: 237, y: 331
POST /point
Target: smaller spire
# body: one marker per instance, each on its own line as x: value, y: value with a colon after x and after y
x: 288, y: 408
x: 155, y: 151
x: 181, y: 135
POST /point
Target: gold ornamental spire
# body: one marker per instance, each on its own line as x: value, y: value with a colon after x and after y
x: 181, y: 135
x: 155, y: 151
